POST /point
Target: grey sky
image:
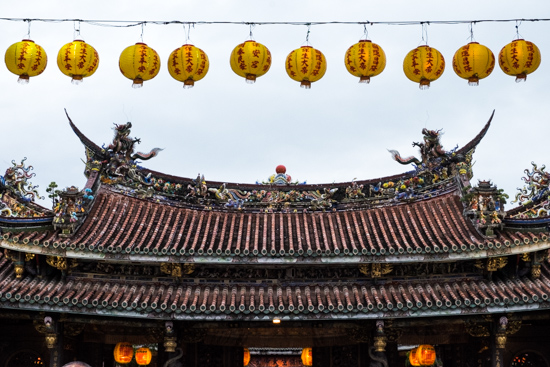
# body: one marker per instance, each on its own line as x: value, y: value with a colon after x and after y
x: 234, y: 132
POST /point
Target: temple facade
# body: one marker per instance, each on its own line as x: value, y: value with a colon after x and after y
x: 202, y: 271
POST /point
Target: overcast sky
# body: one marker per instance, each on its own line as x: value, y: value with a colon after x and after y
x: 235, y: 132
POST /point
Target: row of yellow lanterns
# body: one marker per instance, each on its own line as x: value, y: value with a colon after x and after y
x: 251, y: 60
x: 124, y: 353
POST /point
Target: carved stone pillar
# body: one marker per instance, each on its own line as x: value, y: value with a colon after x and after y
x: 498, y: 342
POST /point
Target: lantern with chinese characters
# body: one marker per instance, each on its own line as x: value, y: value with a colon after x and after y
x: 307, y: 357
x: 188, y: 64
x: 473, y: 62
x: 123, y: 353
x: 306, y: 65
x: 143, y: 356
x: 412, y: 358
x: 246, y: 359
x: 423, y: 65
x: 519, y: 58
x: 250, y: 60
x: 78, y: 60
x: 425, y: 354
x: 26, y: 59
x: 365, y: 60
x: 139, y: 63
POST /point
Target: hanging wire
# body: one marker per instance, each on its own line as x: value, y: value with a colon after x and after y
x: 252, y: 26
x: 307, y: 34
x: 76, y: 33
x: 133, y: 23
x: 424, y: 32
x: 365, y: 32
x: 188, y: 32
x: 472, y: 32
x: 142, y: 25
x: 518, y: 23
x: 28, y: 29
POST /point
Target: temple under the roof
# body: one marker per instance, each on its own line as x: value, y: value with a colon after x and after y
x: 360, y: 271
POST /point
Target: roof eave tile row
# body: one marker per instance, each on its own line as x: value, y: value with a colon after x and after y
x: 334, y: 300
x: 119, y: 225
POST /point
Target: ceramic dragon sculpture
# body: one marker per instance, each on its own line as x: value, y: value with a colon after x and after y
x: 16, y: 180
x: 430, y: 149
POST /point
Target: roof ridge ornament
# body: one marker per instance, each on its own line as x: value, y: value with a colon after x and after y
x: 534, y: 196
x: 485, y: 206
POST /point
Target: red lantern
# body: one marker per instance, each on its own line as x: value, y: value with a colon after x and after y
x: 124, y: 352
x: 425, y: 354
x: 246, y: 359
x: 143, y: 356
x: 412, y: 358
x: 307, y: 357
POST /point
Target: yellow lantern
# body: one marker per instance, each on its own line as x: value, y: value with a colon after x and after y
x: 78, y: 60
x: 123, y: 353
x: 473, y: 62
x: 246, y: 359
x: 188, y: 64
x: 425, y: 354
x: 306, y: 65
x: 307, y: 357
x: 26, y: 59
x: 143, y: 356
x: 423, y: 65
x: 519, y: 58
x: 365, y: 60
x: 413, y: 360
x: 250, y: 60
x: 139, y: 63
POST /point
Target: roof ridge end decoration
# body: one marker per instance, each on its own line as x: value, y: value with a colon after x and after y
x: 437, y: 172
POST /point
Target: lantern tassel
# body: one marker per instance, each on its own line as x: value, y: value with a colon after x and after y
x: 424, y: 84
x: 364, y: 79
x: 23, y: 79
x: 521, y: 77
x: 250, y: 78
x: 138, y: 83
x: 306, y: 84
x: 473, y: 81
x: 77, y: 79
x: 188, y: 84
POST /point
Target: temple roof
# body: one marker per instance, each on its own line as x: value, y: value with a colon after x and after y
x: 168, y: 299
x: 128, y: 213
x: 120, y: 227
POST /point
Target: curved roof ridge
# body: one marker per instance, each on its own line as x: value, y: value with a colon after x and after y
x: 167, y: 177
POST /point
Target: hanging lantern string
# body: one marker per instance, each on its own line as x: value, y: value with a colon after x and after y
x: 365, y: 31
x: 142, y: 25
x: 76, y: 34
x: 134, y: 23
x: 518, y: 23
x: 252, y: 25
x: 188, y: 32
x: 28, y: 29
x: 307, y: 34
x: 425, y: 32
x: 472, y: 32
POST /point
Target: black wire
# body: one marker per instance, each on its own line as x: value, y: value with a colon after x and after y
x: 133, y: 23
